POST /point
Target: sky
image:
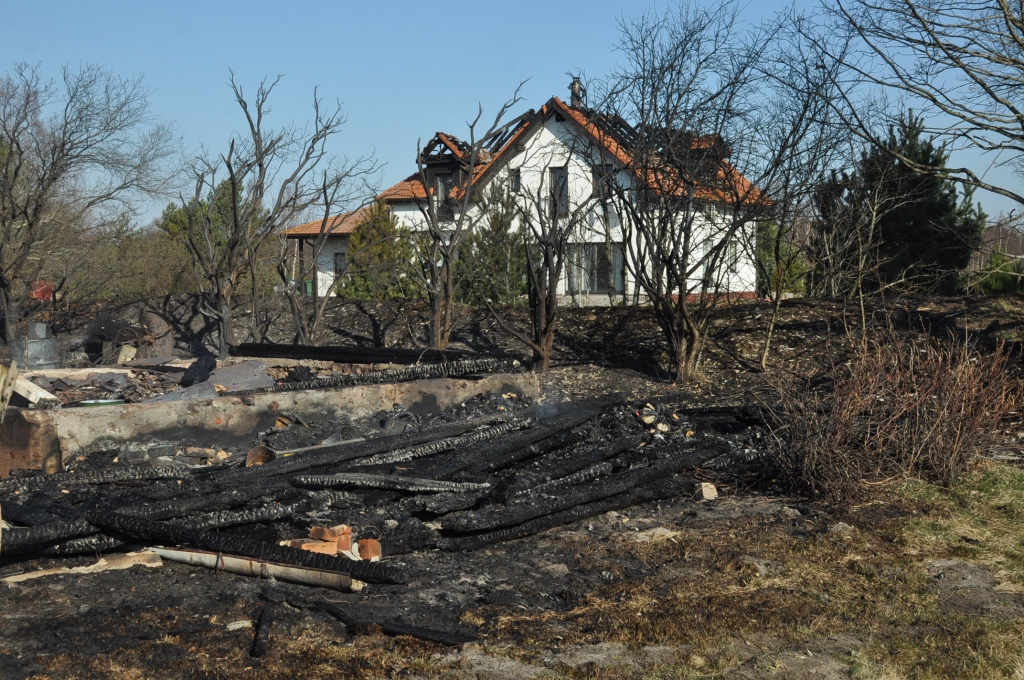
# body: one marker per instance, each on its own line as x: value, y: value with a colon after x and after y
x: 403, y: 69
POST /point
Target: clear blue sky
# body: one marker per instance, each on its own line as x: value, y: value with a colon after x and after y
x: 403, y: 68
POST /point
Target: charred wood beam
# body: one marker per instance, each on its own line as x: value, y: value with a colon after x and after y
x: 583, y: 476
x: 78, y: 546
x: 337, y: 453
x: 34, y: 539
x: 157, y: 532
x: 447, y: 444
x: 385, y: 482
x: 117, y: 473
x: 348, y: 355
x: 536, y: 505
x: 443, y: 636
x: 514, y: 448
x: 266, y: 513
x: 30, y: 514
x: 452, y: 369
x: 193, y: 502
x: 570, y: 463
x: 228, y: 518
x: 658, y: 490
x: 266, y: 621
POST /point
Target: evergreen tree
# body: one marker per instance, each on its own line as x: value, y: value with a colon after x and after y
x: 928, y: 237
x: 381, y: 264
x: 492, y: 260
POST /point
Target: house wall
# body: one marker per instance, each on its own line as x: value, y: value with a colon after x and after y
x: 325, y: 278
x: 558, y: 144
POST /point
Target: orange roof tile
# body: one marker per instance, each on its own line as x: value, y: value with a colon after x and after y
x: 740, y: 185
x: 411, y: 188
x: 337, y: 225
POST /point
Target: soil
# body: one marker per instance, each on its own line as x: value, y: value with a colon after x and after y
x: 551, y: 605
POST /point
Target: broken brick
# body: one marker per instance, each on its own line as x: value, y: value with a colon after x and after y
x: 369, y: 549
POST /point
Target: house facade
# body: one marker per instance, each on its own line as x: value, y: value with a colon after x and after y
x: 558, y: 164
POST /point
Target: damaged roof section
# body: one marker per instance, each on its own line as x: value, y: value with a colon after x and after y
x: 685, y: 162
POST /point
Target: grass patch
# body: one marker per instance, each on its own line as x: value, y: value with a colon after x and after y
x: 757, y: 590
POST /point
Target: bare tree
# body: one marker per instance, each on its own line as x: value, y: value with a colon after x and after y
x: 263, y: 182
x: 959, y: 63
x: 72, y: 154
x: 815, y: 140
x: 550, y: 218
x: 691, y: 108
x: 448, y: 169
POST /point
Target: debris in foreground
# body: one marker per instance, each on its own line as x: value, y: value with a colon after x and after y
x: 455, y: 482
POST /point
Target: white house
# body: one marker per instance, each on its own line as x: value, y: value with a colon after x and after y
x: 562, y: 159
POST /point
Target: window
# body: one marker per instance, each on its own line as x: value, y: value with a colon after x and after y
x: 734, y: 256
x: 602, y: 180
x: 597, y: 268
x: 444, y: 182
x: 340, y: 263
x: 516, y: 181
x: 559, y: 182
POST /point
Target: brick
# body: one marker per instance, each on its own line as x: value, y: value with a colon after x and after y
x: 323, y: 533
x: 369, y: 549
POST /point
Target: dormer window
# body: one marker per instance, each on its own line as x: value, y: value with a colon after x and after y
x: 444, y: 182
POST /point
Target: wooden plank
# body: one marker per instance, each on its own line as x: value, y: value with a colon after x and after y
x: 8, y: 379
x: 34, y: 393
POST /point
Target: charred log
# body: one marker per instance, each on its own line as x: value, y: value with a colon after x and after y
x: 34, y: 539
x: 536, y: 505
x: 447, y: 444
x: 266, y: 621
x: 661, y: 489
x: 571, y: 463
x: 337, y: 453
x: 117, y: 473
x: 146, y: 530
x: 353, y: 623
x: 385, y: 482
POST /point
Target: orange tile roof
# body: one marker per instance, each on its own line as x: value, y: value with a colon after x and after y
x: 411, y: 188
x: 337, y: 225
x: 740, y: 185
x: 733, y: 183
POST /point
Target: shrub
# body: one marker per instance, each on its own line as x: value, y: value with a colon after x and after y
x: 904, y: 406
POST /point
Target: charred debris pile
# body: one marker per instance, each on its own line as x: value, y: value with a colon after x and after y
x: 331, y: 511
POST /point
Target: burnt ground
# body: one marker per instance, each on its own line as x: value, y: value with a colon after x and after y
x: 912, y: 582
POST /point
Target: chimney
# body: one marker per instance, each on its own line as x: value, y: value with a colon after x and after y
x: 577, y: 92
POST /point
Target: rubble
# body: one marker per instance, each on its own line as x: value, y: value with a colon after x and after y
x: 329, y: 481
x: 473, y: 490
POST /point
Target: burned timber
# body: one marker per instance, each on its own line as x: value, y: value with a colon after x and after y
x: 349, y: 483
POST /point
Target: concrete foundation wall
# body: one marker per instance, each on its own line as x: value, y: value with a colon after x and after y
x: 49, y: 439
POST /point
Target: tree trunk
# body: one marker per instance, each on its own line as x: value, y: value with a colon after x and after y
x: 226, y: 327
x: 770, y: 331
x: 542, y: 353
x: 11, y: 308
